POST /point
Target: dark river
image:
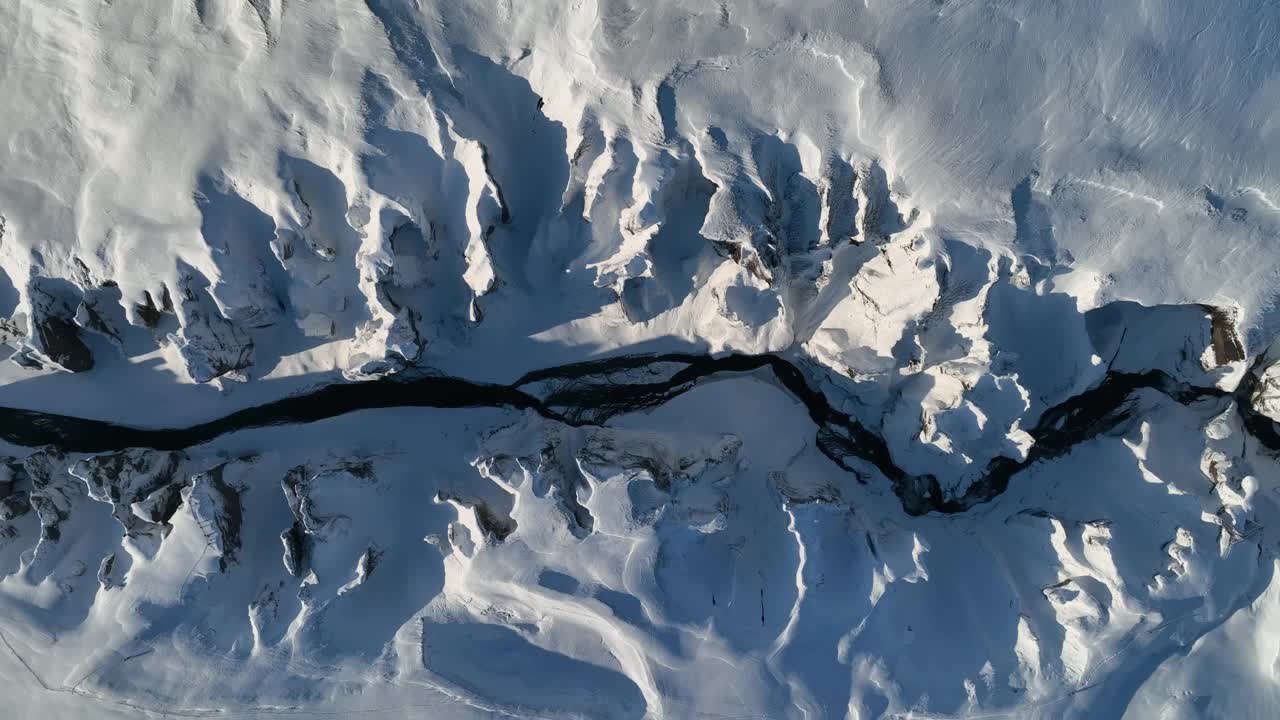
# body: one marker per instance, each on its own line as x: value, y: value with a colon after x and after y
x: 592, y: 392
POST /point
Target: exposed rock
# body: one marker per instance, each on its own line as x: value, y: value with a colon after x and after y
x: 364, y: 568
x: 8, y: 534
x: 1226, y: 342
x: 160, y: 506
x: 878, y: 216
x: 318, y: 520
x: 14, y: 506
x: 11, y: 332
x: 54, y: 336
x: 128, y: 477
x: 211, y: 345
x: 215, y: 506
x: 54, y: 490
x: 147, y: 312
x: 105, y: 569
x: 59, y: 341
x: 295, y: 543
x: 99, y: 311
x: 497, y: 525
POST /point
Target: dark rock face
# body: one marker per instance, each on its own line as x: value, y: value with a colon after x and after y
x: 54, y: 335
x: 147, y: 311
x: 495, y: 523
x: 105, y: 570
x: 159, y: 507
x: 1226, y: 342
x: 295, y: 549
x: 59, y: 340
x: 297, y: 544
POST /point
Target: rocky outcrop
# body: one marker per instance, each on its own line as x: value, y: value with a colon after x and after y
x: 54, y: 338
x: 211, y: 346
x: 315, y: 497
x: 140, y: 486
x: 214, y: 503
x: 13, y: 506
x: 54, y: 493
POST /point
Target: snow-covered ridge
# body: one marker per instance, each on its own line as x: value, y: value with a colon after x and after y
x: 456, y: 177
x: 1003, y: 251
x: 604, y: 562
x: 460, y: 192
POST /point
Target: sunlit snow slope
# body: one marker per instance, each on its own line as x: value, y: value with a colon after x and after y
x: 932, y: 341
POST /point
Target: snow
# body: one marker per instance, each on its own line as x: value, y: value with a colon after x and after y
x: 693, y: 571
x: 952, y: 217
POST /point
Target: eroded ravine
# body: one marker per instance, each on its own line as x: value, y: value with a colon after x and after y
x: 590, y: 393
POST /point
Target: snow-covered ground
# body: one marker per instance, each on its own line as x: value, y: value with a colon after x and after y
x: 957, y: 218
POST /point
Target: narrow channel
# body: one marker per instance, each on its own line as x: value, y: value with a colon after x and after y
x: 589, y: 393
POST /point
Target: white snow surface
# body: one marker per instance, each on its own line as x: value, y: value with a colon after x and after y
x: 953, y: 215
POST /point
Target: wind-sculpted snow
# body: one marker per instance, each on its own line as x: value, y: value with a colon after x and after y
x: 726, y: 358
x: 614, y: 565
x: 757, y: 543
